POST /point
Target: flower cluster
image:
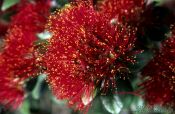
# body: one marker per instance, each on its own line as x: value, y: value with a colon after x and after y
x: 92, y: 45
x: 159, y: 87
x: 18, y: 58
x: 126, y: 11
x: 87, y: 50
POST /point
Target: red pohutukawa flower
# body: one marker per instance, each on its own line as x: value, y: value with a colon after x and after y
x: 18, y: 59
x: 159, y: 87
x: 11, y: 86
x: 84, y: 52
x: 127, y: 11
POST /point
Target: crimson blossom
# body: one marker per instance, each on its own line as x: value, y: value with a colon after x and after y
x: 126, y: 11
x: 18, y: 60
x: 159, y: 88
x: 86, y: 51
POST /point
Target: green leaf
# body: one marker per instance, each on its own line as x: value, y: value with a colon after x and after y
x: 97, y: 107
x: 57, y: 101
x: 8, y: 3
x: 62, y: 2
x: 36, y: 90
x: 30, y: 84
x: 142, y: 60
x: 44, y: 35
x: 25, y: 108
x: 124, y: 91
x: 137, y: 105
x: 112, y: 103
